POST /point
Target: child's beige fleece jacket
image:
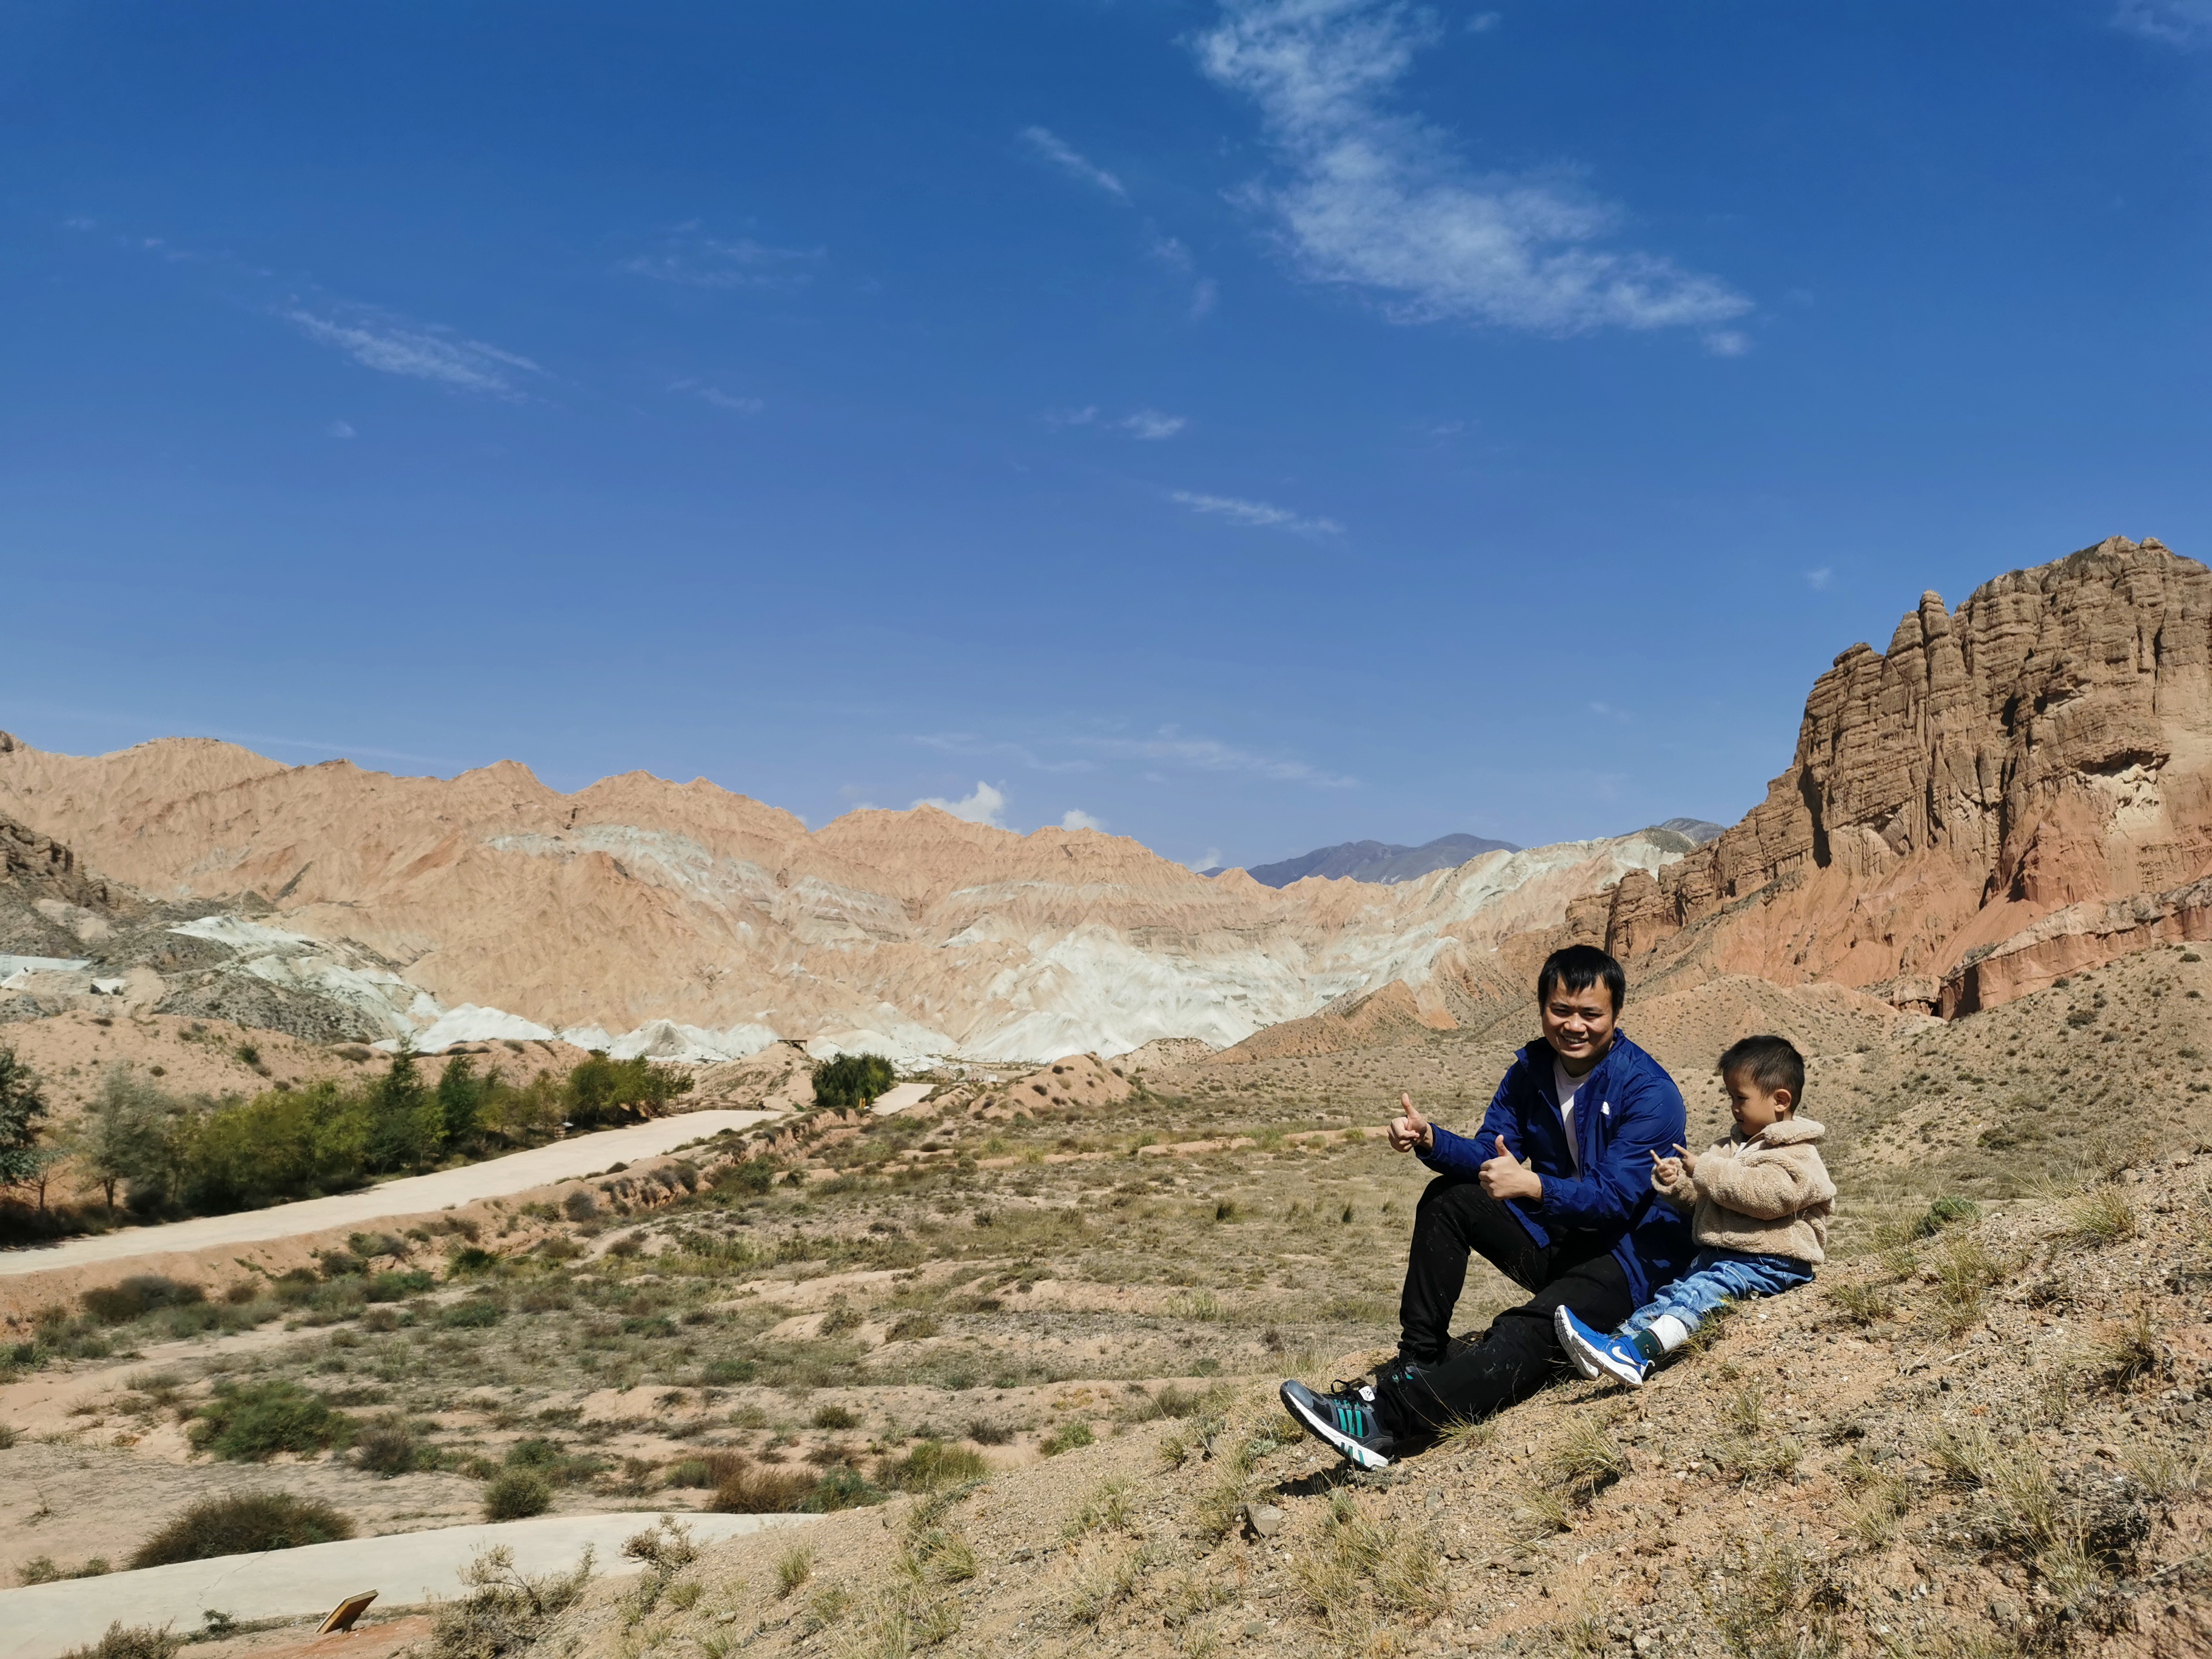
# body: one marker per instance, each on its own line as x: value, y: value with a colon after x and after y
x: 1770, y: 1195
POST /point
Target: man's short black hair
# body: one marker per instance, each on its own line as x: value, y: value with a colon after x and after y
x: 1770, y: 1064
x: 1576, y: 969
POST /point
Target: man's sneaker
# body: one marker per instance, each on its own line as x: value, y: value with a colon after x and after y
x: 1596, y: 1354
x: 1344, y: 1418
x: 1402, y: 1371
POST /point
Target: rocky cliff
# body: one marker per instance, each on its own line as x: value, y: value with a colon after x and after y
x: 2015, y: 790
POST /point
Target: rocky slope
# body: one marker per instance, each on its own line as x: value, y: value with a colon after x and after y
x: 2014, y: 791
x: 685, y: 920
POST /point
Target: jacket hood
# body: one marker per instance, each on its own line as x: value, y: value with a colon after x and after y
x: 1790, y: 1132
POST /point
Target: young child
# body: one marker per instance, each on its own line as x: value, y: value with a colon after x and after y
x: 1759, y: 1203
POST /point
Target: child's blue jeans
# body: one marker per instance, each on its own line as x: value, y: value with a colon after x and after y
x: 1714, y: 1277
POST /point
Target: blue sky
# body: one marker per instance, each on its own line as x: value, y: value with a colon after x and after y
x: 1248, y: 426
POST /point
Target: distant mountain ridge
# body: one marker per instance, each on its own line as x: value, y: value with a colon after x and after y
x: 1377, y: 860
x: 1384, y: 863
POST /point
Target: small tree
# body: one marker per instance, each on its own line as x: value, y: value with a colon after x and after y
x: 407, y: 1121
x: 461, y: 1096
x: 853, y: 1080
x: 120, y: 1137
x: 22, y: 1120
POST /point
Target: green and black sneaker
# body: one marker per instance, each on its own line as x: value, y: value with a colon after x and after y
x: 1343, y: 1418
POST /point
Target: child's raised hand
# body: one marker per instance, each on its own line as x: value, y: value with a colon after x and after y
x: 1687, y: 1158
x: 1669, y: 1170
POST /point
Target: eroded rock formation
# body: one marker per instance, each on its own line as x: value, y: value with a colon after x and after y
x: 2015, y: 789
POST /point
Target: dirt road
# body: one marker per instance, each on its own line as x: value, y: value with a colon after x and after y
x: 497, y: 1177
x: 405, y: 1569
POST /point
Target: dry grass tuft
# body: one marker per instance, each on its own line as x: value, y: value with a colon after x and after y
x: 1363, y: 1576
x: 1109, y: 1508
x: 1584, y: 1461
x: 1774, y: 1602
x: 2131, y: 1352
x: 2101, y: 1216
x: 1861, y: 1305
x: 502, y: 1611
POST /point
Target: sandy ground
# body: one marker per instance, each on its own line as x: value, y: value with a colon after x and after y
x: 406, y: 1569
x: 496, y: 1177
x: 899, y: 1098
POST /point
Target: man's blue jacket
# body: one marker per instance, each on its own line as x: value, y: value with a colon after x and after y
x: 1628, y: 1109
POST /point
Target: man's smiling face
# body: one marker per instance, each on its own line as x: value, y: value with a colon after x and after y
x: 1578, y: 1024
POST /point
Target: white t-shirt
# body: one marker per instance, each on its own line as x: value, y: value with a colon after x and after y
x: 1567, y: 1086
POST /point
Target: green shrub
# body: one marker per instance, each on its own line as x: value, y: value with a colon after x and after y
x: 753, y: 1489
x: 836, y: 1416
x: 516, y: 1495
x: 397, y: 1286
x: 1944, y: 1213
x: 1066, y: 1437
x: 474, y: 1314
x: 840, y: 1489
x: 252, y: 1422
x: 137, y: 1296
x: 388, y: 1447
x: 853, y: 1080
x: 244, y: 1524
x: 930, y: 1465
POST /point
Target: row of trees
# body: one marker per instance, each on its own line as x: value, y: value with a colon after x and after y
x: 166, y: 1154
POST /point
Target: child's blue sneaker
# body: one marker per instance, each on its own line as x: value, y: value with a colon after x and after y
x: 1343, y: 1420
x: 1596, y: 1354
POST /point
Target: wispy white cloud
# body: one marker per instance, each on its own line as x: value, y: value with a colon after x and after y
x: 1261, y: 515
x: 735, y: 403
x: 2176, y: 22
x: 969, y: 743
x: 423, y: 351
x: 692, y: 259
x: 338, y: 429
x: 1204, y: 296
x: 1076, y: 819
x: 1150, y: 423
x: 1071, y: 161
x: 1818, y: 580
x: 1209, y: 860
x: 983, y: 806
x: 1082, y: 417
x: 1170, y: 747
x: 1375, y: 199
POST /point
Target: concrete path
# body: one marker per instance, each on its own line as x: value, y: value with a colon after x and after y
x: 44, y: 1621
x: 900, y: 1097
x: 497, y: 1177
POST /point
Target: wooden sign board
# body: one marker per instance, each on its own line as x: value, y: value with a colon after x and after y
x: 344, y: 1614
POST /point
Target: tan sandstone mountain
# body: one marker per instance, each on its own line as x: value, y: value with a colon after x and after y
x: 2015, y: 790
x: 690, y: 920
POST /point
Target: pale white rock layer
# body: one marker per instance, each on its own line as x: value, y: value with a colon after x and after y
x: 684, y: 923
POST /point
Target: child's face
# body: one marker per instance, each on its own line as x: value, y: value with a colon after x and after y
x: 1755, y: 1108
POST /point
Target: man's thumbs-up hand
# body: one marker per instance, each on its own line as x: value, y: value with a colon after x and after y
x: 1409, y: 1129
x: 1504, y: 1177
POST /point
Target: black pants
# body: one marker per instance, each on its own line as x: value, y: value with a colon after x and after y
x: 1518, y: 1354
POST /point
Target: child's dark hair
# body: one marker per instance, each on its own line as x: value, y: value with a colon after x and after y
x: 1772, y: 1063
x: 1577, y: 968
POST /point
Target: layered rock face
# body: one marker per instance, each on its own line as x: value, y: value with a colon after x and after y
x: 696, y: 921
x: 2013, y: 790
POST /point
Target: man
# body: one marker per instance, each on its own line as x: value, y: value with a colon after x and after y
x: 1555, y: 1193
